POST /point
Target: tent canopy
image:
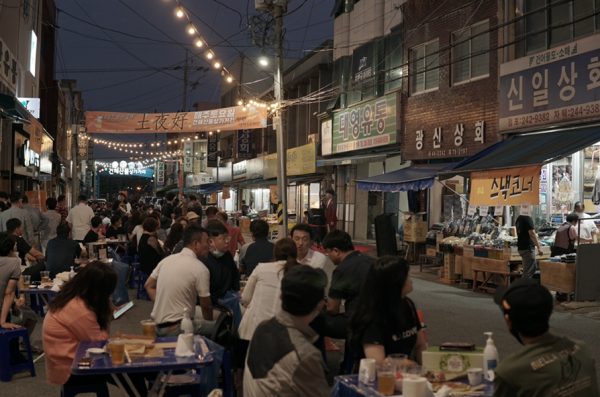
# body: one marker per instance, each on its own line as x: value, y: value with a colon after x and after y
x: 530, y: 149
x: 416, y: 177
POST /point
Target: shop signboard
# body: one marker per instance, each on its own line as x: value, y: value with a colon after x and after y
x: 302, y: 160
x: 160, y: 173
x: 213, y: 148
x: 506, y: 187
x: 10, y: 68
x: 274, y: 196
x: 362, y: 62
x: 326, y: 137
x: 554, y: 86
x: 198, y: 179
x: 498, y: 210
x: 233, y: 118
x: 254, y: 168
x: 270, y: 166
x: 240, y: 169
x: 226, y: 193
x: 45, y: 162
x: 365, y: 126
x: 244, y: 144
x: 32, y: 105
x: 188, y: 156
x: 27, y: 157
x: 36, y: 135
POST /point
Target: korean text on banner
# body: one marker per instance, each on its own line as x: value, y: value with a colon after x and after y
x: 234, y: 118
x: 302, y: 160
x: 506, y: 187
x: 35, y: 135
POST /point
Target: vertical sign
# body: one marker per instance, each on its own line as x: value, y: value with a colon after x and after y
x: 160, y: 174
x: 226, y: 193
x: 188, y: 159
x: 244, y: 144
x: 326, y: 137
x: 213, y: 148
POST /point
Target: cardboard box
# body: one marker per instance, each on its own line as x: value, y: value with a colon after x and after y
x: 452, y: 362
x: 245, y: 225
x: 415, y: 229
x: 431, y: 251
x: 558, y: 276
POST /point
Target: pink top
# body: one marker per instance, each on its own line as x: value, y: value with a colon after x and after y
x: 62, y: 331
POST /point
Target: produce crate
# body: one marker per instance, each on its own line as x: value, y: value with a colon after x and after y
x: 449, y: 273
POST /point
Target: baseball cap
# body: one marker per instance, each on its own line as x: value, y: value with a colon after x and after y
x: 302, y: 288
x: 192, y: 215
x: 525, y: 300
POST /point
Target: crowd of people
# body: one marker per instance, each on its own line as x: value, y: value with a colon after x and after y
x: 293, y: 296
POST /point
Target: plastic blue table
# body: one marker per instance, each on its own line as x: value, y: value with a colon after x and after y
x: 348, y: 386
x: 208, y: 360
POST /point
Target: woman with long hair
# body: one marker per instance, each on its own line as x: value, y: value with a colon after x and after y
x: 81, y: 311
x: 174, y: 238
x: 261, y: 296
x: 149, y: 249
x: 385, y: 320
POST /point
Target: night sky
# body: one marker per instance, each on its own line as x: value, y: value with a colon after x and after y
x: 123, y: 52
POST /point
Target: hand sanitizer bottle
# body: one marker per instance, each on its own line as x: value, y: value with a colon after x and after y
x: 187, y: 327
x: 71, y: 273
x: 490, y: 357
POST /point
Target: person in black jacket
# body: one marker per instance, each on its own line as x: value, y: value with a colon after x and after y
x: 194, y: 205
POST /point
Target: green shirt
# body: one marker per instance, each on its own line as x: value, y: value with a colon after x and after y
x: 550, y: 367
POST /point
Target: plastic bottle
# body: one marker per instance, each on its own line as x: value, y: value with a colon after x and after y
x: 236, y: 258
x: 490, y: 356
x: 187, y: 327
x: 71, y: 273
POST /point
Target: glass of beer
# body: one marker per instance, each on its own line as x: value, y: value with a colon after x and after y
x: 26, y: 281
x: 116, y: 349
x: 45, y: 277
x: 386, y: 378
x: 149, y: 328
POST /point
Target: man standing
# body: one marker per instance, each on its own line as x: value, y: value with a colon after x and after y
x: 224, y: 275
x: 62, y: 251
x: 61, y: 208
x: 548, y: 365
x: 245, y: 208
x: 330, y: 209
x: 39, y: 221
x: 168, y: 209
x: 16, y: 211
x: 195, y: 206
x: 80, y: 219
x: 281, y: 356
x: 260, y: 251
x: 54, y: 219
x: 236, y: 240
x: 589, y: 231
x: 178, y: 281
x: 4, y: 202
x: 527, y: 242
x: 211, y: 212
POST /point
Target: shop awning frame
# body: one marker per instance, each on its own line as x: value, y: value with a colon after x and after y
x: 357, y: 158
x: 416, y: 177
x: 11, y: 106
x: 529, y: 149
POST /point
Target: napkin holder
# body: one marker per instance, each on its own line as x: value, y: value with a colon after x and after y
x: 185, y: 345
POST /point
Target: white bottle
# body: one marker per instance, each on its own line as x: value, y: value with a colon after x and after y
x: 490, y: 357
x: 71, y: 273
x: 187, y: 327
x: 236, y: 258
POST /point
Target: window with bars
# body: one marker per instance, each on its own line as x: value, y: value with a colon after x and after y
x: 470, y: 56
x: 424, y: 67
x: 555, y: 25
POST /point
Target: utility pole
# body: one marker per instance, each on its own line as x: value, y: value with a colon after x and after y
x: 75, y: 161
x: 278, y: 121
x: 183, y: 109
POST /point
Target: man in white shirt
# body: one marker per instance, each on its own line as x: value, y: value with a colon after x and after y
x: 80, y: 219
x: 178, y: 281
x: 589, y: 231
x: 303, y: 236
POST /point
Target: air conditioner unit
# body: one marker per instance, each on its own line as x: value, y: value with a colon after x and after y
x: 313, y: 138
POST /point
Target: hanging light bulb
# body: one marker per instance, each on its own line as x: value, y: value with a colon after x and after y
x: 179, y: 12
x: 209, y: 55
x: 229, y: 79
x: 199, y: 43
x: 191, y: 29
x: 217, y: 65
x: 244, y: 108
x: 240, y: 103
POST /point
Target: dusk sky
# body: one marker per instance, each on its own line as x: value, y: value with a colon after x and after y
x: 120, y: 51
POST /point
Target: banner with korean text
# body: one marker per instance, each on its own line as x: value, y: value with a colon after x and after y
x: 234, y: 118
x: 553, y: 86
x: 506, y: 187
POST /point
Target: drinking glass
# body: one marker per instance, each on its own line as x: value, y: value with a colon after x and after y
x: 92, y: 256
x: 386, y: 378
x: 26, y: 281
x: 149, y: 328
x: 45, y: 277
x: 400, y: 360
x: 116, y: 348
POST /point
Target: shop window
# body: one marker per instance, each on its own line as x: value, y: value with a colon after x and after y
x: 559, y: 24
x: 424, y: 67
x: 470, y: 54
x: 393, y: 60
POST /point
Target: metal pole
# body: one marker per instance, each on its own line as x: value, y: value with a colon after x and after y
x: 75, y: 159
x: 278, y: 122
x: 181, y: 175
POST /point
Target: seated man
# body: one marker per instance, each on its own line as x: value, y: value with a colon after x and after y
x: 548, y: 365
x: 281, y: 356
x: 303, y: 236
x: 62, y: 251
x: 224, y: 275
x: 95, y: 232
x: 260, y: 251
x: 177, y: 282
x: 114, y: 230
x: 26, y: 251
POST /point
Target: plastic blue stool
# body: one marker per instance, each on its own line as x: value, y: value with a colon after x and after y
x: 135, y: 269
x: 226, y: 370
x: 100, y: 389
x: 6, y: 369
x: 141, y: 291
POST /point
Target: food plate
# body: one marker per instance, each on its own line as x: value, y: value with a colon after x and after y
x: 95, y: 350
